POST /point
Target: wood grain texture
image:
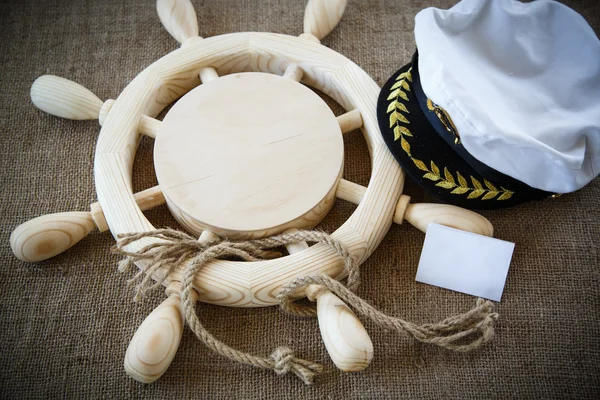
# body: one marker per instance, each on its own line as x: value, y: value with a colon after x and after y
x: 207, y: 74
x: 146, y: 200
x: 350, y: 121
x: 321, y: 16
x: 64, y: 98
x: 149, y: 126
x: 155, y: 342
x: 255, y: 283
x: 157, y: 339
x: 421, y: 215
x: 293, y: 72
x: 104, y: 110
x: 309, y: 36
x: 179, y: 18
x: 344, y: 336
x: 418, y: 215
x: 238, y: 156
x: 46, y: 236
x: 307, y: 220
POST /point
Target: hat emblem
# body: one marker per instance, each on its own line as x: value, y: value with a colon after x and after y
x: 445, y: 119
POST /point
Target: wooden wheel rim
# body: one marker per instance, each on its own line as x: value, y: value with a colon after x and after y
x: 248, y: 284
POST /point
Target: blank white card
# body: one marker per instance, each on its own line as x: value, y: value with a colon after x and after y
x: 464, y: 262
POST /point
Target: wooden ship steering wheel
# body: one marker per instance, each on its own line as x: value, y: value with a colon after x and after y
x: 276, y: 165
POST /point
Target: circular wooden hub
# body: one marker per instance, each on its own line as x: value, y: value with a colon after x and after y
x: 249, y: 155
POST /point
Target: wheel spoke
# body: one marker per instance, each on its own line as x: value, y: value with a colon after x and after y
x: 350, y: 121
x: 295, y: 247
x: 350, y: 191
x: 421, y: 215
x: 149, y: 126
x: 354, y: 193
x: 146, y: 200
x: 345, y: 338
x: 207, y: 74
x: 293, y: 72
x: 52, y: 234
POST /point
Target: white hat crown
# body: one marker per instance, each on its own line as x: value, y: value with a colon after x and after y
x: 521, y: 82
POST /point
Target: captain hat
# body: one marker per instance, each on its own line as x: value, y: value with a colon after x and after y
x: 504, y: 99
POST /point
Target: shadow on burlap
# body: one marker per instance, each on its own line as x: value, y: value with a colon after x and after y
x: 66, y: 323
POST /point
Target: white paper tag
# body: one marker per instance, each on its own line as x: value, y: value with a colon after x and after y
x: 464, y: 262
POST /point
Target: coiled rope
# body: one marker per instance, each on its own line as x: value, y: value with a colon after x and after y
x: 176, y: 248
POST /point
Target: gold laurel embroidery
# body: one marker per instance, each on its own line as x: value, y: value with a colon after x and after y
x: 447, y: 180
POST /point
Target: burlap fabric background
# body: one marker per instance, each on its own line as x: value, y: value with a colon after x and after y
x: 66, y: 323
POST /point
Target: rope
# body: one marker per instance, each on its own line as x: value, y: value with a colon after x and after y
x: 177, y: 248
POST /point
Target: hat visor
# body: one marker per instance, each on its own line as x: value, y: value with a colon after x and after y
x: 426, y: 157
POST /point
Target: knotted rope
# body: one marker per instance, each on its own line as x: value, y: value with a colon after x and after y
x: 177, y: 248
